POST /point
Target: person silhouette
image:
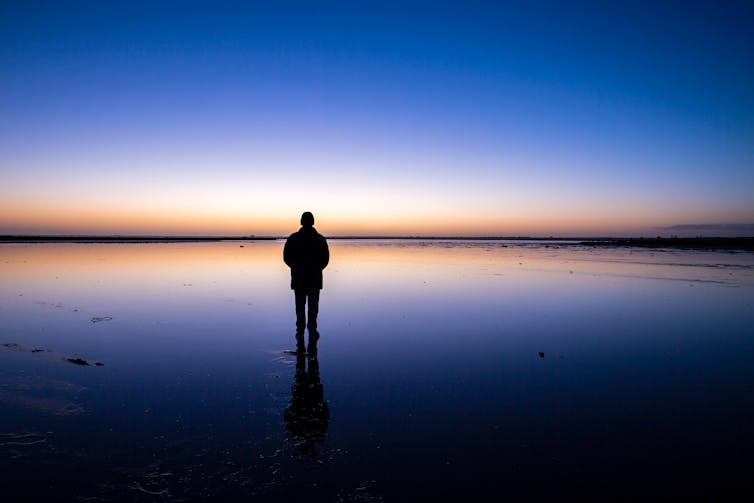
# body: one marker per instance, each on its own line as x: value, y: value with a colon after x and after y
x: 308, y: 415
x: 307, y: 254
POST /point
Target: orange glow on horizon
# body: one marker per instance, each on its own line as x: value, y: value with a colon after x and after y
x: 335, y: 220
x: 102, y: 223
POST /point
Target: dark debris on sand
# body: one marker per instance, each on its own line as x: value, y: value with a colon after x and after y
x: 82, y: 362
x: 75, y: 361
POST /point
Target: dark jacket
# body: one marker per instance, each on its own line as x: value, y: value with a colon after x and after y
x: 306, y: 253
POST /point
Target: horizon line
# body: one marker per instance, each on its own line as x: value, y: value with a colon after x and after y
x: 194, y: 237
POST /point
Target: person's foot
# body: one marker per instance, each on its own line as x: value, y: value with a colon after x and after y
x: 313, y: 338
x: 300, y: 347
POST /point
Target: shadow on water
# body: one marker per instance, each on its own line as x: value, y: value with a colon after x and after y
x: 307, y: 416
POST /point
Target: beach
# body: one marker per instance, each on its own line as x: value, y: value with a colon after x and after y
x: 163, y: 371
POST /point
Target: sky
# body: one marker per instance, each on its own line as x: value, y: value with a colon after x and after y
x: 405, y: 118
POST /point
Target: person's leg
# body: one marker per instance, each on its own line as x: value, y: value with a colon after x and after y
x: 300, y: 311
x: 313, y: 295
x: 313, y: 311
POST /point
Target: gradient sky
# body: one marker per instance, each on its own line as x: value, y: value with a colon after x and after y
x: 488, y: 118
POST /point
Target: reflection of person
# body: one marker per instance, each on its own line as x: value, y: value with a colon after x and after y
x: 307, y: 415
x: 306, y: 253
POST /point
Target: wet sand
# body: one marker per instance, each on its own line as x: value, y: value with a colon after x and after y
x: 453, y: 369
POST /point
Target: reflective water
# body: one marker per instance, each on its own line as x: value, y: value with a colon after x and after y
x: 445, y: 369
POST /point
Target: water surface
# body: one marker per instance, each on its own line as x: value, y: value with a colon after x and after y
x: 445, y: 369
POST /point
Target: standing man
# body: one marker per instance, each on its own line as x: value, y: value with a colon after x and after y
x: 306, y: 253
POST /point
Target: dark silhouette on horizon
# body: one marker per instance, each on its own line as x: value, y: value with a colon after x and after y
x: 307, y: 416
x: 307, y: 254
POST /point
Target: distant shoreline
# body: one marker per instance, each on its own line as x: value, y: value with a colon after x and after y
x: 128, y: 239
x: 746, y: 244
x: 698, y: 243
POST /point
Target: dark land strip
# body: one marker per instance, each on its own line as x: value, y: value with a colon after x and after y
x: 130, y: 239
x: 746, y: 244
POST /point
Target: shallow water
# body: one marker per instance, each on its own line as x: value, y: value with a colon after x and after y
x: 445, y: 369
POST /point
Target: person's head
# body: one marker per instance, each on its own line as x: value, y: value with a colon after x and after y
x: 307, y: 219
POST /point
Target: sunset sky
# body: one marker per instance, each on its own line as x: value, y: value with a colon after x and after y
x: 405, y: 118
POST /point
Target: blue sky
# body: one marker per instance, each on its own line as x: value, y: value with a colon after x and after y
x: 474, y: 118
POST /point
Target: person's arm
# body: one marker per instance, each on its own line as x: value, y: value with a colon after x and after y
x: 288, y: 253
x: 325, y: 254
